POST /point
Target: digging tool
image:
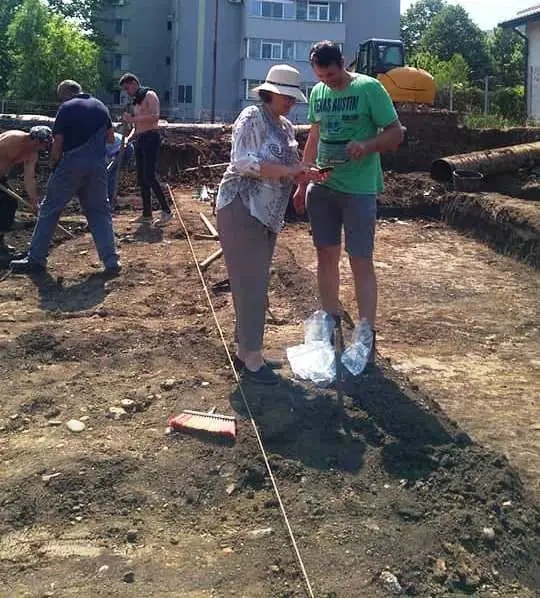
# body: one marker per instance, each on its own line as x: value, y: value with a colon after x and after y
x: 120, y: 157
x: 213, y: 232
x: 338, y: 349
x: 222, y: 286
x: 18, y: 198
x: 201, y: 237
x: 194, y: 168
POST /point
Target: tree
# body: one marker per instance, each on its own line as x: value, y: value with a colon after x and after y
x: 455, y: 71
x: 416, y: 20
x: 507, y: 52
x: 45, y: 48
x: 7, y: 11
x: 452, y: 32
x: 84, y: 12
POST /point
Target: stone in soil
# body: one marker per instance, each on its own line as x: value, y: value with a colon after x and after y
x: 75, y: 425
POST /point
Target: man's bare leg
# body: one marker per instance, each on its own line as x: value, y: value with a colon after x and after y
x: 328, y: 277
x: 365, y: 286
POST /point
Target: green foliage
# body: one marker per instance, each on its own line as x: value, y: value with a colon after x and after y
x: 45, y: 49
x: 509, y: 102
x: 7, y: 11
x: 466, y: 98
x: 455, y: 71
x: 452, y: 32
x: 507, y: 51
x: 490, y: 121
x: 84, y: 12
x: 415, y: 22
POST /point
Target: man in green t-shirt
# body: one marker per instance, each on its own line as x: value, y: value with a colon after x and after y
x: 352, y: 120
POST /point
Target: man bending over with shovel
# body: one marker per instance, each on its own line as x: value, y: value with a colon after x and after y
x: 81, y: 129
x: 18, y: 147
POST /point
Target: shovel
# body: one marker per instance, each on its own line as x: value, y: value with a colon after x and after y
x: 338, y: 349
x: 18, y: 198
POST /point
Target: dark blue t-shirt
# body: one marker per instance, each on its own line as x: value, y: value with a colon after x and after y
x: 80, y: 118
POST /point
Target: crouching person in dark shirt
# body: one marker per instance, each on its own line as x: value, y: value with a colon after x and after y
x: 82, y: 128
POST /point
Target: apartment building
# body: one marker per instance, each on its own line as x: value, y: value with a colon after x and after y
x: 205, y: 56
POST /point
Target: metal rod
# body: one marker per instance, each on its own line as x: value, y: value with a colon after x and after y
x: 14, y: 195
x: 214, y: 61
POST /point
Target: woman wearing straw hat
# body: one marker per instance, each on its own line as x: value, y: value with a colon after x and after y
x: 251, y: 203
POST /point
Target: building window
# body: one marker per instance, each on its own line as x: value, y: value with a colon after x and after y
x: 311, y: 10
x: 168, y: 61
x: 250, y: 84
x: 271, y: 50
x: 268, y: 49
x: 116, y: 97
x: 318, y: 11
x: 302, y: 50
x: 120, y: 26
x: 273, y: 9
x: 121, y: 62
x: 169, y: 25
x: 167, y: 96
x: 185, y: 94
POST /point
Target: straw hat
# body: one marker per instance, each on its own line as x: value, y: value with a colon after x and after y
x: 283, y: 80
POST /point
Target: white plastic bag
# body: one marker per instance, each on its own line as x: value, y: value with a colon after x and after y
x: 315, y: 359
x: 319, y: 327
x: 356, y: 356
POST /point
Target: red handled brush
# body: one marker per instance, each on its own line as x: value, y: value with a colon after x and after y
x: 208, y: 422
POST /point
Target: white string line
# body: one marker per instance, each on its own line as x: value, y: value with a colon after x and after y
x: 251, y: 419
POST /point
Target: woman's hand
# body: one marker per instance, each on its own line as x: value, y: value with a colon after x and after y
x: 307, y: 173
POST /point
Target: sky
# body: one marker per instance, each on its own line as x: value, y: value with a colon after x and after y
x: 486, y: 13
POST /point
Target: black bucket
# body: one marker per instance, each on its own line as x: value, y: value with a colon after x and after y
x: 470, y: 181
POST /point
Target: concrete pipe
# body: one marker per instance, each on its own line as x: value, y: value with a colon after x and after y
x: 488, y: 162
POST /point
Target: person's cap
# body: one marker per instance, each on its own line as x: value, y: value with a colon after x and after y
x: 41, y: 133
x: 283, y: 80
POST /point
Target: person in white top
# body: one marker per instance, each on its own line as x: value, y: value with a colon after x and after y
x: 251, y: 203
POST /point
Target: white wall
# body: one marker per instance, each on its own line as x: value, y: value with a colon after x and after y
x: 533, y: 33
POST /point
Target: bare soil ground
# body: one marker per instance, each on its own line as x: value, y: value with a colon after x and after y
x: 428, y: 488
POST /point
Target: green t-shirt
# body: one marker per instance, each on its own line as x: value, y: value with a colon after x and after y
x: 355, y: 113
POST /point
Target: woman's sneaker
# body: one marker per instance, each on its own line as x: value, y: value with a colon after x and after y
x: 264, y: 375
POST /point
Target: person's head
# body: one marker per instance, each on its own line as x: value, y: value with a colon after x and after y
x: 41, y: 137
x: 327, y: 61
x: 281, y: 89
x: 129, y: 83
x: 68, y: 89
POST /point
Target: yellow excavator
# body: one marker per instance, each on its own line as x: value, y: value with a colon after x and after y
x: 384, y: 59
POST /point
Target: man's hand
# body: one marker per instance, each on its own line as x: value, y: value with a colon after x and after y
x: 128, y: 118
x: 357, y: 150
x: 299, y: 199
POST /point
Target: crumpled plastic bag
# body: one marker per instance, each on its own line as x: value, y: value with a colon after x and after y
x: 315, y: 359
x: 356, y: 356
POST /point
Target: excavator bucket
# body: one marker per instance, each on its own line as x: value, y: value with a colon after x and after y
x: 410, y: 85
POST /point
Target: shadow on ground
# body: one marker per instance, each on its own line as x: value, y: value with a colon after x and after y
x: 81, y: 296
x: 303, y: 422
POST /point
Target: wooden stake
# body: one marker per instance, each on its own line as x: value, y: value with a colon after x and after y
x: 209, y: 226
x: 211, y: 258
